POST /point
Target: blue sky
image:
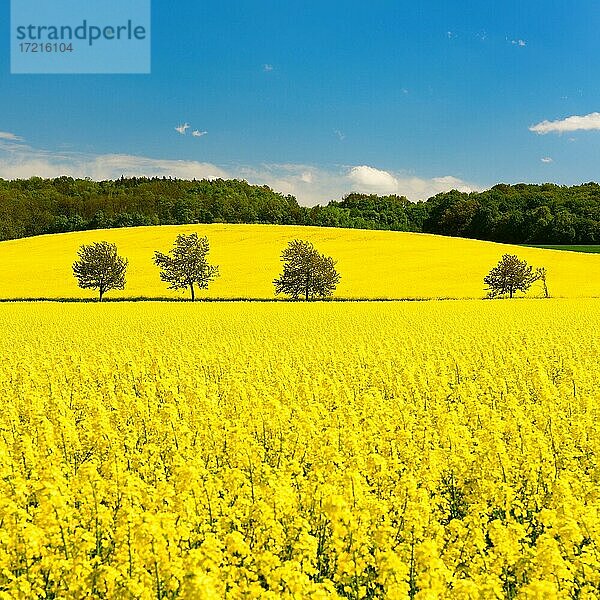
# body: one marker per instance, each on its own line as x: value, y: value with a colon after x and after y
x: 321, y: 98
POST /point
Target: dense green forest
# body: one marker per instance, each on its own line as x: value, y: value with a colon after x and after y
x: 522, y: 213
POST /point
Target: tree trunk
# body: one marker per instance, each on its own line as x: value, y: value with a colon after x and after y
x: 192, y: 290
x: 101, y: 294
x: 510, y: 291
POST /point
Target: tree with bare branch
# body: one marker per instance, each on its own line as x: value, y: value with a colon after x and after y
x: 509, y: 276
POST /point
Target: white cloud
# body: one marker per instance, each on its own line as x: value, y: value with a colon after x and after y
x: 182, y: 128
x: 26, y: 162
x: 267, y: 68
x: 198, y: 133
x: 313, y: 185
x: 573, y: 123
x: 373, y: 180
x: 4, y: 135
x: 108, y: 166
x: 308, y: 183
x: 547, y: 160
x: 340, y: 134
x: 520, y: 43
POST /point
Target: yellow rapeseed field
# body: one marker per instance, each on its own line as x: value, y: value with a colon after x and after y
x: 372, y: 263
x: 362, y: 450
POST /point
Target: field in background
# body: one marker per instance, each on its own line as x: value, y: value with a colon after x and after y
x: 300, y: 450
x: 592, y: 249
x: 373, y: 264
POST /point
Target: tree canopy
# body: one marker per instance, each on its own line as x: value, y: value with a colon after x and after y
x: 512, y: 275
x: 185, y: 266
x: 306, y: 273
x: 100, y: 267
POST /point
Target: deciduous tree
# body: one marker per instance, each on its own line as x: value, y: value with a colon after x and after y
x: 509, y: 276
x: 185, y: 266
x: 100, y: 267
x: 306, y: 273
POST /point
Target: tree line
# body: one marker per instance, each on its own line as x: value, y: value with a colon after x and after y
x: 306, y: 274
x: 521, y: 213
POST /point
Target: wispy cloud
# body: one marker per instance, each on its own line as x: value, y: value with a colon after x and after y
x: 372, y: 180
x: 310, y: 184
x: 22, y: 162
x: 547, y: 160
x: 573, y: 123
x: 340, y: 135
x: 267, y: 68
x: 520, y: 43
x: 182, y: 128
x: 11, y: 137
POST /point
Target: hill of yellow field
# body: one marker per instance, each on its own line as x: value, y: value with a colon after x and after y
x: 373, y: 264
